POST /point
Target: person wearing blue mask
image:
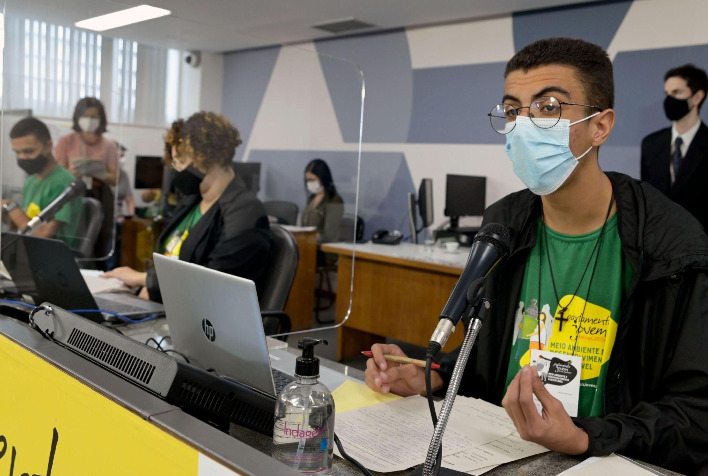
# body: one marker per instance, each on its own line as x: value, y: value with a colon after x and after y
x: 675, y: 159
x: 620, y: 268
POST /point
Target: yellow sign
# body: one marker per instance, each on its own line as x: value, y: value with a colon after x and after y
x: 53, y: 425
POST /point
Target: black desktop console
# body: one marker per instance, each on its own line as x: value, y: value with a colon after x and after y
x: 202, y: 394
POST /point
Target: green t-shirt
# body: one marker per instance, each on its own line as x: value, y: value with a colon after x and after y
x: 172, y: 244
x: 591, y: 324
x: 37, y: 194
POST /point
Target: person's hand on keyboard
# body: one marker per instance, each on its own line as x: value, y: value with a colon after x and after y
x: 128, y: 275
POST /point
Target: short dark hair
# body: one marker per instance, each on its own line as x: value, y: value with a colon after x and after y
x: 85, y: 103
x: 695, y: 77
x: 30, y: 126
x: 591, y: 62
x: 320, y: 169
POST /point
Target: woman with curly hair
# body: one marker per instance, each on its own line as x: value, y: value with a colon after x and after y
x: 224, y: 226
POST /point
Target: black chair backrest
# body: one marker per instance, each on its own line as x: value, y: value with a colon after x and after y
x: 89, y: 226
x: 349, y: 221
x: 276, y: 322
x: 281, y: 270
x: 284, y: 212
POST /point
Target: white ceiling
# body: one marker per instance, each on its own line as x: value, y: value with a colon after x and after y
x: 228, y: 25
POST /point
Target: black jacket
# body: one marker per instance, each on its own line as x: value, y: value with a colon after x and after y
x: 233, y: 236
x: 656, y: 391
x: 690, y: 190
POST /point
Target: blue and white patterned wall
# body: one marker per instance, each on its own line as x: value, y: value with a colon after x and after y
x: 428, y: 92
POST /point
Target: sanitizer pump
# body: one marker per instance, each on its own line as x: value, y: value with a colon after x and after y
x: 303, y: 435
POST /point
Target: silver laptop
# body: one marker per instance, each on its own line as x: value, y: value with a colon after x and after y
x: 215, y: 320
x: 45, y: 270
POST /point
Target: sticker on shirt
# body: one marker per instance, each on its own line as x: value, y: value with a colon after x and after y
x: 533, y: 326
x: 585, y: 330
x: 174, y: 246
x: 560, y: 375
x: 33, y: 210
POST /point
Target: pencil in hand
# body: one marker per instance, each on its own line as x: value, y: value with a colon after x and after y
x: 403, y: 360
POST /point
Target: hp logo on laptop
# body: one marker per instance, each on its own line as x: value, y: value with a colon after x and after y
x: 208, y: 329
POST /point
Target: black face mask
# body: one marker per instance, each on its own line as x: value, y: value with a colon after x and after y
x: 33, y: 166
x: 186, y: 182
x: 675, y: 109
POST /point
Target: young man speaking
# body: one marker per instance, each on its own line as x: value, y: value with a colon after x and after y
x: 602, y: 271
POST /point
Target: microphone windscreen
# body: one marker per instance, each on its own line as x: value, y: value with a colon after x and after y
x: 496, y: 235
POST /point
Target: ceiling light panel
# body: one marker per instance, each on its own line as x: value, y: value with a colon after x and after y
x: 123, y: 18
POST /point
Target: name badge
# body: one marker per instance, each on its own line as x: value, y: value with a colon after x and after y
x: 560, y: 374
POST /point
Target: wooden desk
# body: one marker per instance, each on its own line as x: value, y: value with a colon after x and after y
x: 399, y: 292
x: 301, y: 300
x: 138, y: 242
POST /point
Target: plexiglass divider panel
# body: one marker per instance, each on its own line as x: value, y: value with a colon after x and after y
x: 290, y: 104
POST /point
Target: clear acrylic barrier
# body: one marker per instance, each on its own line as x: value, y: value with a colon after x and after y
x: 144, y: 88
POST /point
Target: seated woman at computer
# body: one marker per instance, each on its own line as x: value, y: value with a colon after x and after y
x: 93, y: 158
x: 324, y: 207
x: 223, y: 226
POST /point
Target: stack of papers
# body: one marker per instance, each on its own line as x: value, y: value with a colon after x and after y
x: 395, y: 435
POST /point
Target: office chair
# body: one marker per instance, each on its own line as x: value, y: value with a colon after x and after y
x: 89, y: 227
x: 278, y: 281
x: 276, y: 322
x: 285, y: 213
x: 352, y: 227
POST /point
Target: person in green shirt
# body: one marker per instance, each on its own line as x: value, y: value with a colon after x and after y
x: 46, y: 180
x: 603, y: 273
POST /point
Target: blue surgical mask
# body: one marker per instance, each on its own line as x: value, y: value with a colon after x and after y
x: 541, y: 157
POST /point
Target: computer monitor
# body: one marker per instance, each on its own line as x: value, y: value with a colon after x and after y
x: 464, y: 196
x: 250, y: 173
x: 148, y: 171
x: 423, y: 204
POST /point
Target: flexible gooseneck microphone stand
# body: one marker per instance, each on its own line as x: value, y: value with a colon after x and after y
x: 476, y: 312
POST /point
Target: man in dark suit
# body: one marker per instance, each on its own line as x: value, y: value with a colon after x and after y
x: 675, y: 159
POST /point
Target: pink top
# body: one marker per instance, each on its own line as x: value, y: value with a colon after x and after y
x: 73, y: 146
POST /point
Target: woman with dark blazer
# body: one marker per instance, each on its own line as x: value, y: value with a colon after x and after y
x: 224, y: 226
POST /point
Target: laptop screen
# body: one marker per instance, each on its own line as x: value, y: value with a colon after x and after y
x: 215, y: 321
x: 45, y: 271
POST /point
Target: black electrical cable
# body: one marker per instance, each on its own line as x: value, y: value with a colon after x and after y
x: 431, y: 407
x: 349, y: 458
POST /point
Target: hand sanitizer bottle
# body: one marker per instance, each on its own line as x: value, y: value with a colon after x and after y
x: 303, y: 435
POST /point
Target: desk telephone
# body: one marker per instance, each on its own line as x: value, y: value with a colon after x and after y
x: 386, y: 237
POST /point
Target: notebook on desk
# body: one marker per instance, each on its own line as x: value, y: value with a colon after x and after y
x: 215, y: 321
x: 46, y: 271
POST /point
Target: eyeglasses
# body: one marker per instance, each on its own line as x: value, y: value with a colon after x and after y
x: 544, y: 112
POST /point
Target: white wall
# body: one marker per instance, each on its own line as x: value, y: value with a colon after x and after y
x: 212, y: 70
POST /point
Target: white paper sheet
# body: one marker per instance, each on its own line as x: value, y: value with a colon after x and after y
x: 612, y: 464
x: 477, y: 459
x: 393, y: 436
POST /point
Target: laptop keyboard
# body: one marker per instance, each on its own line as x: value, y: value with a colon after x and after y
x: 117, y: 307
x: 281, y: 380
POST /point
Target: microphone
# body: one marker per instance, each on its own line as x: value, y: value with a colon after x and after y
x: 75, y: 188
x: 490, y: 244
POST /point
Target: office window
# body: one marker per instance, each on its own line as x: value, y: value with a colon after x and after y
x: 49, y: 67
x: 125, y: 66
